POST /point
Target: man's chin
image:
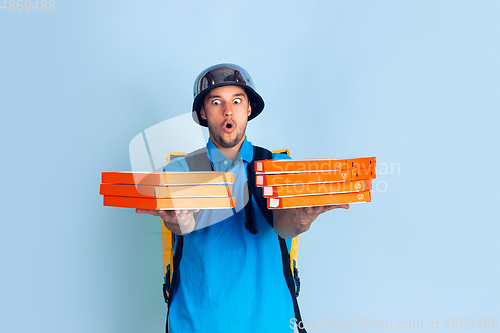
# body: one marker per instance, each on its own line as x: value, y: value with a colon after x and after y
x: 228, y: 143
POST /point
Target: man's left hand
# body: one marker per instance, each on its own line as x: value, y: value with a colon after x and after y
x: 289, y: 223
x: 306, y: 215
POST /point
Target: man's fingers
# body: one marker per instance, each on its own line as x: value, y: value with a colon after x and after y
x: 314, y: 211
x: 168, y: 215
x: 186, y: 211
x: 344, y: 206
x: 179, y: 216
x: 147, y: 211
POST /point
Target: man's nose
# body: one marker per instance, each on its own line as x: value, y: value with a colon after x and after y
x: 228, y: 109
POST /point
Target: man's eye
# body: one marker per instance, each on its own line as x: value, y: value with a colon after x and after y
x: 216, y: 102
x: 237, y: 101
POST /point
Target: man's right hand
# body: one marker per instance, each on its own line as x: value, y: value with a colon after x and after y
x: 180, y: 222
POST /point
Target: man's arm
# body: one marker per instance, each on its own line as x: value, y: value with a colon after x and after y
x: 289, y: 223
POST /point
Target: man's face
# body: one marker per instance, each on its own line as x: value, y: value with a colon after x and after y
x: 226, y: 110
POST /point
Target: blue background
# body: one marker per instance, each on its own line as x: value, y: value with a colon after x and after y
x: 414, y: 83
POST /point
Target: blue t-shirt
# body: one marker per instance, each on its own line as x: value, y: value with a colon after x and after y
x: 230, y: 280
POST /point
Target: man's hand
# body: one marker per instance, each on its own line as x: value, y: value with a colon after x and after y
x: 306, y: 215
x: 180, y: 222
x: 289, y: 223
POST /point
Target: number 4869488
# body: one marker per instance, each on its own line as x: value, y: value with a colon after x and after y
x: 470, y: 323
x: 27, y: 5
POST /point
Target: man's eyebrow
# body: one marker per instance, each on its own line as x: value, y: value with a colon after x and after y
x: 217, y: 96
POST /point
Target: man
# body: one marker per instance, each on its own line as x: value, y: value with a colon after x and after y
x: 230, y: 278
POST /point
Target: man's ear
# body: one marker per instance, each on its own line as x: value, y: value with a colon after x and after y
x: 203, y: 114
x: 249, y: 109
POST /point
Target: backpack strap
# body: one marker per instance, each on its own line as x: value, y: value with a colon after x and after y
x: 291, y: 284
x: 259, y: 154
x: 198, y: 160
x: 175, y: 264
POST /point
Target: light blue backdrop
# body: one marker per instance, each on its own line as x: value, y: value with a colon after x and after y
x: 414, y: 83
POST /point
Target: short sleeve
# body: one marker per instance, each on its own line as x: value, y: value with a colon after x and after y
x: 177, y: 165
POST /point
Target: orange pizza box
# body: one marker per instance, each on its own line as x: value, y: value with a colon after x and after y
x: 322, y: 188
x: 314, y: 177
x: 168, y: 178
x: 169, y: 203
x: 363, y: 174
x: 313, y: 165
x: 318, y: 200
x: 166, y: 191
x: 361, y: 163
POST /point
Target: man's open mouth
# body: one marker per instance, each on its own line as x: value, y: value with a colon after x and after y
x: 229, y: 126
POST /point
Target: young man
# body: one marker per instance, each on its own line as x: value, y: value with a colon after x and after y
x: 230, y: 278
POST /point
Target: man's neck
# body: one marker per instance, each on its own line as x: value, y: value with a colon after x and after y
x: 231, y: 153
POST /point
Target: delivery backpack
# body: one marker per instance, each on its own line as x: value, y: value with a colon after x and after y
x: 199, y: 161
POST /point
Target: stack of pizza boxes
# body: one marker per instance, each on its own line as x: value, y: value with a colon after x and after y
x: 315, y: 182
x: 168, y: 190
